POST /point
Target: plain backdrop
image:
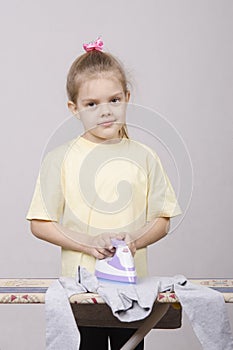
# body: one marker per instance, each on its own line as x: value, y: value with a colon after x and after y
x: 178, y: 55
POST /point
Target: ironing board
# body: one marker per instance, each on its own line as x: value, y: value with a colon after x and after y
x: 90, y: 310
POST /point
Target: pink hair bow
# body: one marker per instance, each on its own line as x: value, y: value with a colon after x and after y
x: 94, y: 45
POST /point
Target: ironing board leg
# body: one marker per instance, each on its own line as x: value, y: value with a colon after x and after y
x: 149, y: 323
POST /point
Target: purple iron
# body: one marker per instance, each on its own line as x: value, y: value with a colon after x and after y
x: 118, y: 268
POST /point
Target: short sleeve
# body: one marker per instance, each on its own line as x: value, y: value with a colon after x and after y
x: 161, y: 198
x: 48, y: 200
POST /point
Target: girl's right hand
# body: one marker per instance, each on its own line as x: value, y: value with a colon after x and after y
x: 101, y: 246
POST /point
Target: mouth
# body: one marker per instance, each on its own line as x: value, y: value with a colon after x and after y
x: 107, y: 123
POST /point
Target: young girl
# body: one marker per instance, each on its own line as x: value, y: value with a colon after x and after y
x: 102, y: 184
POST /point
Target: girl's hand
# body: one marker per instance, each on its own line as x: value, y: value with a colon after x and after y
x: 101, y: 246
x: 125, y: 236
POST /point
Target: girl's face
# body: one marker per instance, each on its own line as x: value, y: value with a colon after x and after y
x: 101, y: 107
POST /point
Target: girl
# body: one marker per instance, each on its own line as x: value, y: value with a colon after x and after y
x: 102, y: 184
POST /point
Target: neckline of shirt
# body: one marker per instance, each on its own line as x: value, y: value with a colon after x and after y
x: 91, y: 144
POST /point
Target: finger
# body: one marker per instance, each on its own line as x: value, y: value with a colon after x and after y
x: 107, y: 243
x: 121, y: 236
x: 109, y: 252
x: 105, y: 252
x: 98, y: 255
x: 112, y: 250
x: 132, y: 248
x: 100, y: 243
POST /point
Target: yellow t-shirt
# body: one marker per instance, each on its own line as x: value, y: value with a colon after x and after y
x: 94, y: 188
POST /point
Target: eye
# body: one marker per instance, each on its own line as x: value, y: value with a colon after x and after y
x: 91, y: 104
x: 116, y: 100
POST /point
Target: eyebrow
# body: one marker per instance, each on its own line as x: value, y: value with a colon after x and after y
x: 112, y: 96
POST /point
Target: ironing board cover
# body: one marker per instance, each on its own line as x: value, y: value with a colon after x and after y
x: 32, y: 290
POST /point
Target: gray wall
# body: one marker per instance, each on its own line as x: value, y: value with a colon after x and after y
x: 179, y: 55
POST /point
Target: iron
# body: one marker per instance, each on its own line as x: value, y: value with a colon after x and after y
x: 118, y: 268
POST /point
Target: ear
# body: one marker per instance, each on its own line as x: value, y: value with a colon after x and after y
x: 73, y: 108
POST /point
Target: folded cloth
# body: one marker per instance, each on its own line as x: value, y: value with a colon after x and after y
x: 129, y: 302
x: 204, y: 307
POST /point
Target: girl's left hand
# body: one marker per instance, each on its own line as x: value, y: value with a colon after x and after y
x: 128, y: 240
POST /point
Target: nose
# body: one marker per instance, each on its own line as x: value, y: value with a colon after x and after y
x: 105, y: 110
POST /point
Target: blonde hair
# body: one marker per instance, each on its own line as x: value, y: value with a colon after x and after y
x: 94, y: 64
